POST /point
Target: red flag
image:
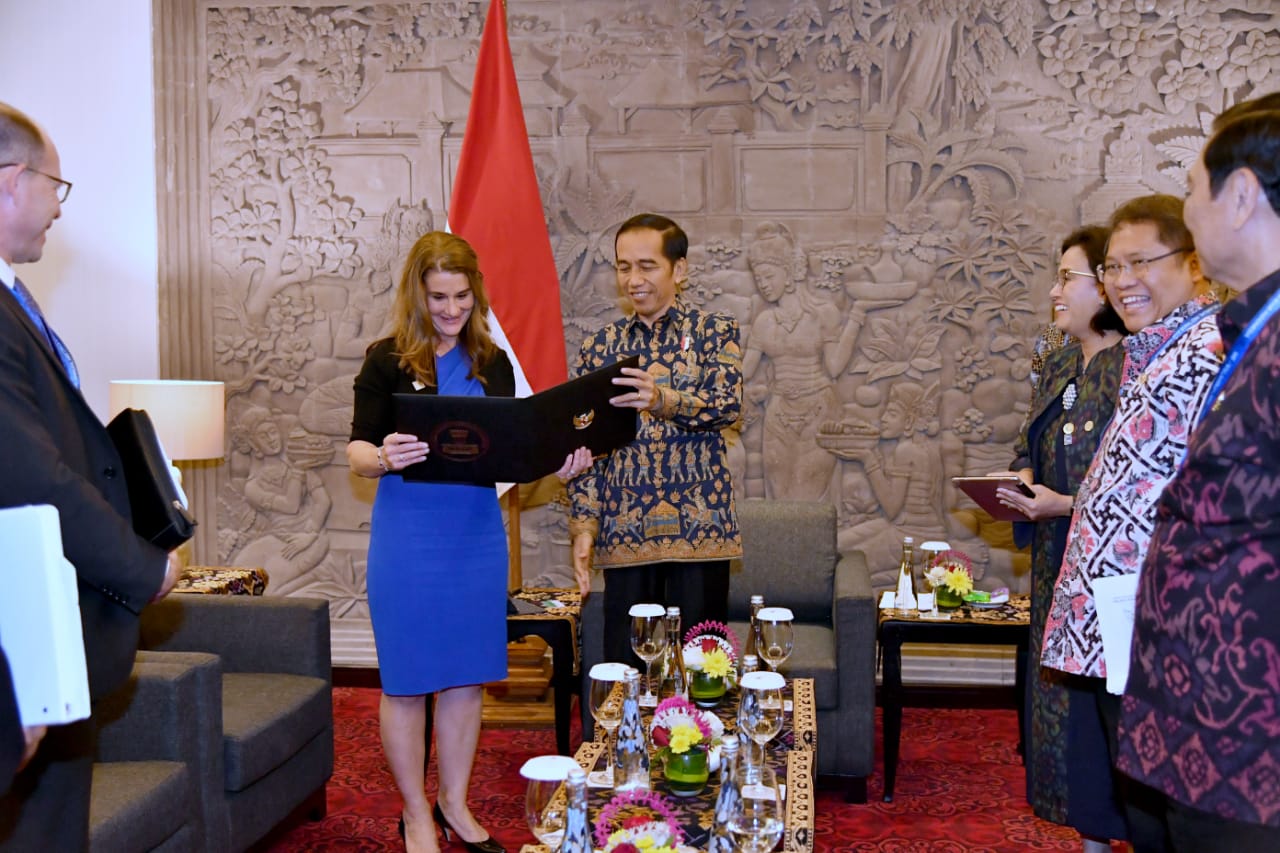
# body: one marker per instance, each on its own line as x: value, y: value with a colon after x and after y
x: 497, y: 209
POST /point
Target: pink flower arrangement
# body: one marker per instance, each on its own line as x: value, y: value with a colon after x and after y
x: 678, y: 725
x: 637, y: 819
x: 715, y: 632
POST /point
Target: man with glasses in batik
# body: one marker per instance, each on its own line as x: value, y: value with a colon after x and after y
x: 1201, y: 711
x: 1152, y: 277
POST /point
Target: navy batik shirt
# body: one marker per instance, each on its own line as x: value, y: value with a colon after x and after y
x: 1201, y: 718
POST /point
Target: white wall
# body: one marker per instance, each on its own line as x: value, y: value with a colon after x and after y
x: 82, y: 69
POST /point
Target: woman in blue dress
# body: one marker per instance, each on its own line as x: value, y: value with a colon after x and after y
x: 437, y: 568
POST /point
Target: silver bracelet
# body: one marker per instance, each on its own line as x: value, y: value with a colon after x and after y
x: 382, y: 463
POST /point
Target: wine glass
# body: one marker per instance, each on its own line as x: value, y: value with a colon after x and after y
x: 760, y: 709
x: 545, y: 807
x: 648, y: 641
x: 777, y: 635
x: 756, y: 820
x: 606, y: 707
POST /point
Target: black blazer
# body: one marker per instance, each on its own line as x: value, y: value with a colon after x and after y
x: 381, y: 376
x: 54, y: 450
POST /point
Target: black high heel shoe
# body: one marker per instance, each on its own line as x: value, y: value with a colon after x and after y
x: 488, y: 845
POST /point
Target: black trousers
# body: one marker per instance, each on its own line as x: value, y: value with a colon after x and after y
x: 699, y: 589
x: 1144, y: 806
x: 47, y: 808
x: 1195, y: 831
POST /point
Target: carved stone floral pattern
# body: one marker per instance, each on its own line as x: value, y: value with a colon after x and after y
x: 873, y: 188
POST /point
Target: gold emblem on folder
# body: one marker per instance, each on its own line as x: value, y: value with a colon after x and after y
x: 584, y: 420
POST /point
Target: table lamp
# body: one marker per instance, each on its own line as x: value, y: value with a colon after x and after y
x: 187, y: 414
x: 189, y: 417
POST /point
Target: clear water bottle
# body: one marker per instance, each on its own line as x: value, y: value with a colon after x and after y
x: 675, y: 681
x: 905, y: 597
x: 753, y: 632
x: 631, y: 749
x: 727, y: 800
x: 577, y: 831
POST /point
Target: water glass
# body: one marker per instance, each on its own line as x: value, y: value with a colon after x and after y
x: 545, y: 806
x: 648, y: 641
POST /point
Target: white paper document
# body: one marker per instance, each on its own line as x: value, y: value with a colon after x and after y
x: 1115, y: 598
x: 40, y: 619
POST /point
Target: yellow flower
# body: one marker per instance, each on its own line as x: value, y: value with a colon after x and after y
x: 684, y: 736
x: 715, y: 663
x: 959, y: 582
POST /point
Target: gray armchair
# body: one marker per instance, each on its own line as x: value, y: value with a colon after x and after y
x: 790, y: 558
x: 272, y: 752
x: 151, y: 752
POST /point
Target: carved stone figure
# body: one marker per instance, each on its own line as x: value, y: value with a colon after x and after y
x: 288, y: 497
x: 804, y: 343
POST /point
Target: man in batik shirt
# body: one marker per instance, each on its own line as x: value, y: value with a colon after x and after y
x: 1152, y: 278
x: 1201, y: 715
x: 659, y: 514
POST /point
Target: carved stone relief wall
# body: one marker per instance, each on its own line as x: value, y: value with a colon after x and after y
x: 873, y: 188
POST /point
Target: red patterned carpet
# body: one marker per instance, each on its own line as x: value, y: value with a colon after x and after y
x: 959, y: 789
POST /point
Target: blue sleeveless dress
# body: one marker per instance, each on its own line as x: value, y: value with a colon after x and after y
x: 437, y: 574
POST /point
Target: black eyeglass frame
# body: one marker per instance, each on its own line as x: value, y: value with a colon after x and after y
x: 1135, y: 268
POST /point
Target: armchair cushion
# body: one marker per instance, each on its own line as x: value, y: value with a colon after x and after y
x: 267, y: 718
x: 139, y: 805
x: 814, y: 656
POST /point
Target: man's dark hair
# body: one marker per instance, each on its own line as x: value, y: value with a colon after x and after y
x: 1264, y: 104
x: 1092, y: 240
x: 20, y: 140
x: 1162, y: 211
x: 675, y: 243
x: 1251, y: 141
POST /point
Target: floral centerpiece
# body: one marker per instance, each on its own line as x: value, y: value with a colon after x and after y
x: 638, y: 822
x: 951, y: 577
x: 711, y: 657
x: 684, y: 736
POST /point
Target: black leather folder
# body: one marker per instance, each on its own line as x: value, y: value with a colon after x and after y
x: 158, y: 513
x: 516, y: 439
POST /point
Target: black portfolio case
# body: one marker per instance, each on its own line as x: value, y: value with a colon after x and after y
x: 516, y: 439
x: 158, y: 514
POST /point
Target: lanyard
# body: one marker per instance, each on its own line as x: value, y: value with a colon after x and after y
x: 1236, y: 355
x: 1180, y: 331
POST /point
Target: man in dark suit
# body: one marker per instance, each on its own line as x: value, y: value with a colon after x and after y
x: 55, y: 451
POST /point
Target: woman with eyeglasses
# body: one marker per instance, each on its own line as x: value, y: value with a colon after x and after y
x: 1071, y: 404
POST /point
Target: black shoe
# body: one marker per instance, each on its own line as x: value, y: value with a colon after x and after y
x: 488, y: 845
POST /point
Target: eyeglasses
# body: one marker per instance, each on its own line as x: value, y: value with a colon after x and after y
x: 63, y: 188
x: 1063, y: 277
x: 1110, y: 272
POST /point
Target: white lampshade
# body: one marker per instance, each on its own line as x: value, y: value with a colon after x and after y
x: 188, y: 415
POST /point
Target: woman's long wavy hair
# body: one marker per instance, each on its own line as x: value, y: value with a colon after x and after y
x: 415, y: 335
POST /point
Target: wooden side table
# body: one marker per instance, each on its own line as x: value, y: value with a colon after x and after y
x: 1008, y: 625
x: 557, y: 625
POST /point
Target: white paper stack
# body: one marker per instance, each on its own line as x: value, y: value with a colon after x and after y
x: 40, y: 618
